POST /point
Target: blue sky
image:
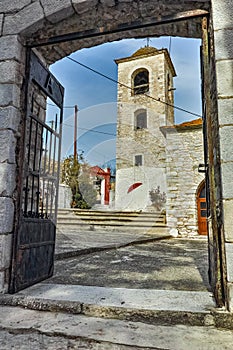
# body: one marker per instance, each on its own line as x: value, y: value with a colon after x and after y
x: 96, y: 96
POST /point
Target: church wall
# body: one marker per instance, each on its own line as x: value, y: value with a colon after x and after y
x: 184, y: 151
x: 148, y: 142
x: 138, y: 199
x: 169, y: 95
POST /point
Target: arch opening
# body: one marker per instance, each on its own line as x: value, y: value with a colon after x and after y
x: 52, y: 52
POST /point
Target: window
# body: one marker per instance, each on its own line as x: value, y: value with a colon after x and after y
x: 168, y: 81
x: 140, y: 120
x: 140, y: 82
x: 138, y: 160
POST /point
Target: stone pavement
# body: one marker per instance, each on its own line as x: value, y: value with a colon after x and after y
x: 72, y: 242
x: 135, y: 313
x: 173, y: 264
x: 29, y: 329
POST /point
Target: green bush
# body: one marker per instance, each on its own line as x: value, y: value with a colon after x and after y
x: 158, y: 199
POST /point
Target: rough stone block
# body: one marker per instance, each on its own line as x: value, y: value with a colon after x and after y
x: 9, y: 72
x: 9, y: 118
x: 109, y: 3
x: 7, y: 179
x: 223, y: 44
x: 1, y: 21
x: 6, y: 215
x: 227, y: 180
x: 13, y: 5
x: 224, y: 71
x: 82, y: 6
x: 225, y: 111
x: 222, y: 13
x: 57, y: 10
x: 229, y: 260
x: 230, y: 296
x: 226, y: 147
x: 2, y: 279
x: 228, y: 227
x: 5, y: 251
x: 7, y: 146
x: 10, y: 95
x: 30, y: 16
x: 10, y: 48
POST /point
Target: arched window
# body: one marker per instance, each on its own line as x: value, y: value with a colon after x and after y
x: 140, y: 81
x: 140, y: 119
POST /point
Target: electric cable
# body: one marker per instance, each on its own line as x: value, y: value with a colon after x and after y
x: 130, y: 88
x: 90, y: 130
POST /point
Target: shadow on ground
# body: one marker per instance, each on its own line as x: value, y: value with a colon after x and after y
x: 174, y: 264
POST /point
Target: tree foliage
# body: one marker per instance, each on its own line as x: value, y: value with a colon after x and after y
x: 70, y: 173
x: 158, y: 198
x: 76, y: 174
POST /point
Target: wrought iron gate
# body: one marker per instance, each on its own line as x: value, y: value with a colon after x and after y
x: 33, y: 251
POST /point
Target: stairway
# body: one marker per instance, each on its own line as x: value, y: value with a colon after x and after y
x: 114, y: 220
x: 98, y: 318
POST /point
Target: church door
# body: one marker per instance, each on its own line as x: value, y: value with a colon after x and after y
x: 202, y: 210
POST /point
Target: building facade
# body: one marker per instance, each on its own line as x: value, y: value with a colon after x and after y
x: 147, y: 78
x: 154, y: 154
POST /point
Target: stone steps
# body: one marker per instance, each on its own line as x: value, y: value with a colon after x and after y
x: 116, y: 318
x: 163, y: 307
x: 22, y: 328
x: 110, y: 219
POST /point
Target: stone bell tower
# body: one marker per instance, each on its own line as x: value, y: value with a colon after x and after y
x: 145, y: 101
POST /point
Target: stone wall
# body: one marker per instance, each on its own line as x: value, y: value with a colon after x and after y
x: 64, y: 196
x: 45, y: 18
x: 11, y: 80
x: 148, y: 142
x: 222, y: 14
x: 184, y: 150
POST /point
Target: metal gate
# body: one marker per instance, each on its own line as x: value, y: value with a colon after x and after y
x: 34, y: 240
x: 217, y: 263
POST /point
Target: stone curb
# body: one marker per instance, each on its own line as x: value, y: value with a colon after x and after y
x: 217, y: 318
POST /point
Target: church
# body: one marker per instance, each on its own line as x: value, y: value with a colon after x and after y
x: 157, y: 161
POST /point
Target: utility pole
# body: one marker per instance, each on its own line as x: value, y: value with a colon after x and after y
x: 75, y: 131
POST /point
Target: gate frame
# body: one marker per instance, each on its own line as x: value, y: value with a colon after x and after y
x: 101, y: 32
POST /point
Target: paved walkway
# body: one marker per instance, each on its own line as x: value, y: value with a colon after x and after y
x: 71, y: 241
x: 172, y: 264
x: 142, y: 292
x: 23, y: 329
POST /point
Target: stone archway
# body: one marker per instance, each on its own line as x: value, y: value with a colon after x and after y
x: 57, y: 29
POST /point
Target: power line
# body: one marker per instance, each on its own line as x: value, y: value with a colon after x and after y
x: 52, y: 104
x: 130, y: 88
x: 90, y: 130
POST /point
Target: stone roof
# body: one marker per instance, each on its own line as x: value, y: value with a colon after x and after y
x: 145, y: 51
x: 148, y: 51
x: 189, y: 125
